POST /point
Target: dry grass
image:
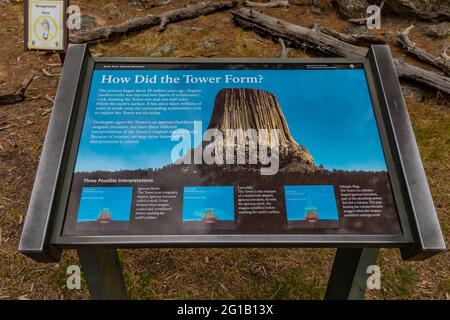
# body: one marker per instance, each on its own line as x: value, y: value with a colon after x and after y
x: 187, y: 273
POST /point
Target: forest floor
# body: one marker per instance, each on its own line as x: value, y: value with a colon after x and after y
x: 201, y: 273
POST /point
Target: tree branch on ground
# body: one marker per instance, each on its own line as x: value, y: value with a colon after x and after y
x: 300, y: 37
x: 19, y: 94
x: 354, y: 38
x: 444, y: 54
x: 410, y: 48
x: 149, y: 5
x: 271, y: 4
x: 105, y: 33
x: 284, y: 49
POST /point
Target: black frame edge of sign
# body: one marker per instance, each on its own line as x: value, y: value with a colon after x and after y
x: 34, y: 241
x: 429, y: 239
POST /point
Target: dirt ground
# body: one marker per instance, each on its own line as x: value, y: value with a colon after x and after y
x: 201, y: 273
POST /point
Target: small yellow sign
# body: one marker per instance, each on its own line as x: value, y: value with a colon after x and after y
x: 45, y: 25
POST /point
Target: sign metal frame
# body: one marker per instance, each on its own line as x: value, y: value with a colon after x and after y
x: 42, y: 237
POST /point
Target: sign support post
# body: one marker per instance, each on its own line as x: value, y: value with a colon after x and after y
x: 348, y: 278
x: 103, y: 273
x: 347, y: 281
x: 62, y: 56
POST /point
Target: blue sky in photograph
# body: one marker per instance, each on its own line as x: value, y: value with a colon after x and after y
x: 328, y: 111
x: 319, y: 196
x: 117, y: 200
x: 219, y: 199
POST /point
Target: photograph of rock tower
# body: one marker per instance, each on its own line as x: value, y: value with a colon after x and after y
x: 246, y: 110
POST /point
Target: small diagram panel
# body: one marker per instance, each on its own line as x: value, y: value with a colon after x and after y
x: 208, y: 208
x: 104, y: 208
x: 311, y: 207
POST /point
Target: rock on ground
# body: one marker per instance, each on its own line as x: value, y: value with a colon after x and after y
x: 209, y: 43
x: 434, y: 10
x: 134, y: 3
x: 437, y: 10
x: 162, y: 50
x: 438, y: 31
x: 88, y: 21
x: 113, y: 11
x: 352, y: 8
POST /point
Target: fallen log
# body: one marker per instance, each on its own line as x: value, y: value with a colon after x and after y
x: 150, y: 5
x: 409, y: 47
x: 144, y: 22
x: 418, y: 75
x: 305, y: 38
x: 298, y: 36
x: 354, y: 38
x: 193, y: 11
x: 107, y: 32
x: 19, y: 94
x: 271, y: 4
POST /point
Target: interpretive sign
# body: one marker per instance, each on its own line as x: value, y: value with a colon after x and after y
x: 150, y: 153
x: 45, y: 25
x: 230, y: 152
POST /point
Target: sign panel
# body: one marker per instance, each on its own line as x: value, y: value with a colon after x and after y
x: 45, y: 27
x: 275, y: 149
x: 251, y: 152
